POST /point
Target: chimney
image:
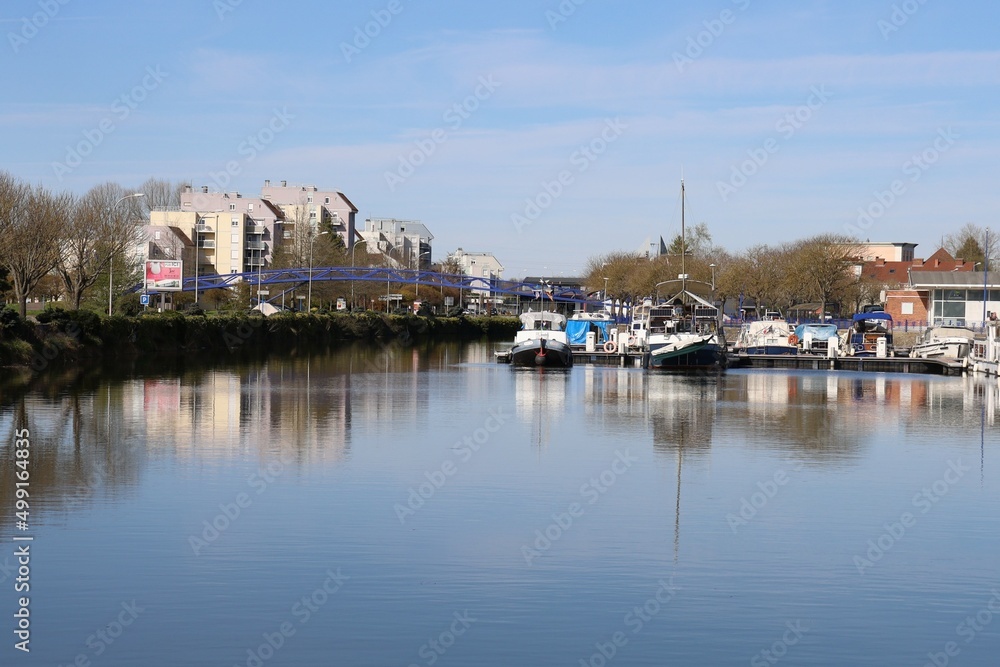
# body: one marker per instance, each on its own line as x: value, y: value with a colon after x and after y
x: 267, y: 183
x: 187, y: 188
x: 918, y: 262
x: 284, y: 184
x: 204, y: 189
x: 880, y: 262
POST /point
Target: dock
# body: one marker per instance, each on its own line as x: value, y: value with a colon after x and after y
x: 629, y: 358
x: 936, y: 366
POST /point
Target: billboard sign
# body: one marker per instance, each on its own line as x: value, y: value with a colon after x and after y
x: 164, y: 275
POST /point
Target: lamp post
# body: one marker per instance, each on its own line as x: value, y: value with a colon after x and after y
x: 353, y: 249
x: 605, y: 297
x: 111, y: 257
x: 416, y: 294
x: 312, y: 244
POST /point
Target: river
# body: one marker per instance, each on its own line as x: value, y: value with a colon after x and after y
x: 398, y: 506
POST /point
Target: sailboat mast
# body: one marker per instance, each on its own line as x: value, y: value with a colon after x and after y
x: 683, y: 242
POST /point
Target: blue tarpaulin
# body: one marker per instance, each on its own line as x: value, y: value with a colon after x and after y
x: 576, y: 331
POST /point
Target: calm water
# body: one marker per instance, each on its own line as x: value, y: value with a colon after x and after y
x: 404, y: 507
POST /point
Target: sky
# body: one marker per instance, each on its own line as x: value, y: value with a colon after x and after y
x: 547, y: 132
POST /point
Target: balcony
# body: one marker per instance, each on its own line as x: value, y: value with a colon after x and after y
x: 205, y: 229
x: 206, y: 244
x: 256, y: 245
x: 255, y: 261
x: 255, y: 229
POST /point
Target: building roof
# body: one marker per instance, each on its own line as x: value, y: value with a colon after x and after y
x: 892, y: 272
x: 958, y: 279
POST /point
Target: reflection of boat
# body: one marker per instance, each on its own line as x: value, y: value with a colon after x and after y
x: 985, y: 354
x: 941, y: 341
x: 870, y: 335
x: 542, y: 341
x: 765, y: 337
x: 814, y: 338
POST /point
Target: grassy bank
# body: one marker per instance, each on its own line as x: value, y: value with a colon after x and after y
x: 71, y: 336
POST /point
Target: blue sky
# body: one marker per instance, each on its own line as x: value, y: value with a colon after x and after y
x: 575, y: 121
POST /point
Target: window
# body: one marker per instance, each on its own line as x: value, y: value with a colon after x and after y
x: 156, y: 235
x: 326, y: 200
x: 232, y: 207
x: 236, y: 221
x: 234, y: 254
x: 234, y: 271
x: 309, y: 199
x: 249, y: 207
x: 312, y: 215
x: 907, y: 309
x: 235, y: 239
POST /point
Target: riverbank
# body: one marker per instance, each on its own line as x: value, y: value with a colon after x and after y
x: 63, y: 336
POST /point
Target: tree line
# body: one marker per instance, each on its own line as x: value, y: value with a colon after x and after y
x: 822, y: 269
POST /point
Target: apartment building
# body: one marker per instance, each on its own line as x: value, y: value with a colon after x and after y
x: 308, y: 205
x: 479, y: 264
x: 407, y: 243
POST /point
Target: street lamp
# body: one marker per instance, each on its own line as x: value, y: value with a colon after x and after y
x: 312, y: 244
x: 417, y: 288
x: 111, y: 257
x: 353, y: 249
x: 605, y: 290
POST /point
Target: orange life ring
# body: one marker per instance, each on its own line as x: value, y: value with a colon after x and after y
x: 793, y: 340
x: 632, y: 341
x: 610, y: 347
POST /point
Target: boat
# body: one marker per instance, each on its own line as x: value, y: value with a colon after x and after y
x: 814, y: 338
x: 683, y: 332
x: 542, y: 341
x: 767, y: 336
x: 870, y: 335
x: 984, y: 357
x: 580, y: 325
x: 943, y: 341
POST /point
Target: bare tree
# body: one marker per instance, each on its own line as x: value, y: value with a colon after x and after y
x: 160, y: 195
x: 971, y: 243
x: 31, y: 220
x: 101, y: 225
x: 822, y: 266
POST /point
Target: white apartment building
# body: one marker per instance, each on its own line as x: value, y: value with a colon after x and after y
x: 407, y: 243
x: 478, y: 264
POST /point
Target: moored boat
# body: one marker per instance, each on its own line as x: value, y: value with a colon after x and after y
x: 985, y: 354
x: 814, y: 338
x: 768, y: 336
x: 870, y: 335
x: 542, y: 341
x: 942, y: 341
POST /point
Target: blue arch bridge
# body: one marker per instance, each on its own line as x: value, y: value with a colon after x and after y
x: 296, y: 279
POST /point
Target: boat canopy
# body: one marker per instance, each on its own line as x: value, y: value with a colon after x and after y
x: 543, y: 321
x: 817, y: 331
x: 874, y: 315
x: 577, y: 329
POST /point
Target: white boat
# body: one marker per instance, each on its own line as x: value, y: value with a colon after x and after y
x: 942, y: 341
x: 767, y: 336
x: 542, y: 341
x: 985, y: 354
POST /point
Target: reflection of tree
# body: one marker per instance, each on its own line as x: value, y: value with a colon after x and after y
x: 80, y: 449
